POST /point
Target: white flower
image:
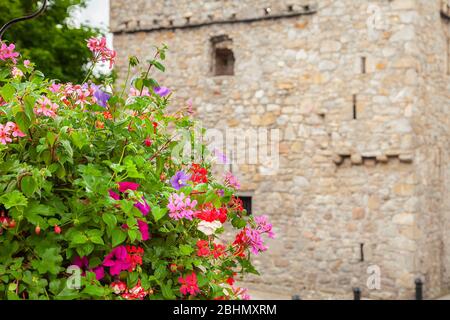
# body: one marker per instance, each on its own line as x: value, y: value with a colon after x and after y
x: 209, y: 228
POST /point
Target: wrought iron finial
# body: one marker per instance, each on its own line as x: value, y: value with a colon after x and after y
x: 28, y: 17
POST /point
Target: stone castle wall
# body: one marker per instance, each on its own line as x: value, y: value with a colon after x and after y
x: 381, y: 180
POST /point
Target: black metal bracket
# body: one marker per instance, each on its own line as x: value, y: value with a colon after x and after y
x: 28, y: 17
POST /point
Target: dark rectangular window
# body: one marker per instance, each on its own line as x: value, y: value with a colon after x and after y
x: 247, y: 203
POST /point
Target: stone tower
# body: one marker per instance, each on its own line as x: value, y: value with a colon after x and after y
x: 360, y: 93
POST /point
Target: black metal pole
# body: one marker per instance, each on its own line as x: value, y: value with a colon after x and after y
x: 356, y: 294
x: 28, y: 17
x: 419, y: 289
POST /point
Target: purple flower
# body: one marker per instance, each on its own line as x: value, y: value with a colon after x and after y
x: 117, y: 260
x: 101, y: 96
x: 161, y: 91
x: 221, y: 158
x: 83, y: 264
x: 179, y: 180
x: 143, y: 206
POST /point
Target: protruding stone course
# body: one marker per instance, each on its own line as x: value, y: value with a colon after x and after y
x: 382, y: 179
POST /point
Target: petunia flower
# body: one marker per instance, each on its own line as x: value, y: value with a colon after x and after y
x: 143, y: 228
x: 117, y: 260
x: 179, y: 180
x: 161, y: 91
x: 114, y: 195
x: 125, y: 186
x: 143, y: 206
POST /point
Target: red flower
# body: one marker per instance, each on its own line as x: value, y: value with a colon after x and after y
x: 107, y: 115
x: 240, y: 244
x: 218, y: 250
x: 230, y: 281
x: 203, y: 248
x: 199, y: 174
x: 134, y: 257
x: 57, y: 229
x: 210, y: 214
x: 148, y: 142
x: 189, y: 284
x: 236, y: 204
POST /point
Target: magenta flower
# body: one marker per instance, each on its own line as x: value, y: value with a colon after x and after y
x: 117, y: 260
x: 179, y: 180
x: 161, y: 91
x: 125, y: 186
x: 83, y: 264
x: 114, y: 195
x: 255, y: 240
x: 232, y: 181
x: 143, y: 207
x: 143, y: 228
x: 99, y: 272
x: 264, y: 226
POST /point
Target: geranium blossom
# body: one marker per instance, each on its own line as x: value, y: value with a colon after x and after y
x: 101, y: 51
x: 232, y: 181
x: 181, y: 207
x: 209, y: 228
x: 137, y: 93
x: 46, y: 107
x: 7, y: 52
x: 135, y: 293
x: 199, y: 174
x: 8, y: 131
x: 16, y: 72
x: 189, y: 285
x: 134, y: 257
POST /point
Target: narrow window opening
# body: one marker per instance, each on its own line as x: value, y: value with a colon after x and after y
x: 361, y: 248
x: 223, y: 56
x: 363, y: 65
x: 290, y: 8
x: 355, y: 104
x: 247, y: 203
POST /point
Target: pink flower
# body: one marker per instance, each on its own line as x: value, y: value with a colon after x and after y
x: 254, y: 240
x: 7, y: 52
x: 26, y: 63
x: 232, y: 181
x: 5, y: 135
x: 117, y: 260
x: 125, y: 186
x: 99, y: 272
x: 181, y: 207
x: 263, y: 226
x: 46, y: 107
x: 137, y: 93
x: 143, y: 228
x: 83, y: 264
x: 16, y: 133
x: 55, y: 88
x: 135, y: 293
x: 189, y: 284
x: 98, y: 47
x: 16, y: 72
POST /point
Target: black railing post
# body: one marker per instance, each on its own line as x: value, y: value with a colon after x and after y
x: 419, y: 289
x: 356, y: 294
x: 296, y: 297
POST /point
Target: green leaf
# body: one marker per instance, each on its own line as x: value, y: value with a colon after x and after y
x: 79, y: 238
x: 94, y: 291
x: 7, y: 92
x: 22, y: 121
x: 49, y: 263
x: 158, y: 65
x: 95, y: 236
x: 158, y: 213
x: 28, y: 185
x: 109, y: 219
x: 67, y: 147
x: 13, y: 199
x: 186, y: 250
x: 118, y: 236
x: 79, y: 139
x: 51, y: 138
x: 166, y: 290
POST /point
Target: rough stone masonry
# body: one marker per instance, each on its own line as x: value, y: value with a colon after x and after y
x: 360, y: 93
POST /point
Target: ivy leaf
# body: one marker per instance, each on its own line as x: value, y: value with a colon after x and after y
x: 13, y: 199
x: 166, y: 290
x: 118, y: 236
x: 158, y: 213
x: 95, y: 236
x: 94, y: 291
